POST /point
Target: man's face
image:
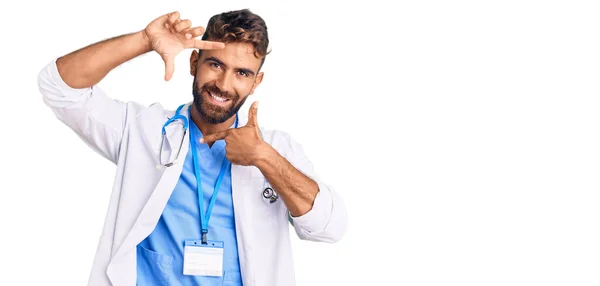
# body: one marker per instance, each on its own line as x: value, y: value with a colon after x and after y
x: 223, y: 79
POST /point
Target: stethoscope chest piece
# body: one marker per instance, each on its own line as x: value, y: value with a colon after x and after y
x: 270, y: 195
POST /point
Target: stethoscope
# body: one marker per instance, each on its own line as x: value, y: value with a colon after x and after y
x: 268, y: 193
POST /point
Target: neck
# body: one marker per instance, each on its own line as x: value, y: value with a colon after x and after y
x: 207, y: 128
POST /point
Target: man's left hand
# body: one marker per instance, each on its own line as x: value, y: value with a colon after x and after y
x: 244, y: 145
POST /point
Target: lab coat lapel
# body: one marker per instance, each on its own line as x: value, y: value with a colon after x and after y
x: 174, y: 134
x: 121, y: 267
x: 241, y: 183
x: 244, y: 187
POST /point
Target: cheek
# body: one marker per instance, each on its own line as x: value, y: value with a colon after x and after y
x: 200, y: 82
x: 205, y: 75
x: 243, y: 88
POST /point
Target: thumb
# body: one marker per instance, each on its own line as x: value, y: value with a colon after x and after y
x: 252, y: 115
x: 169, y: 66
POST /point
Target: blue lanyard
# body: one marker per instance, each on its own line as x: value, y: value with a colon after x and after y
x: 205, y: 217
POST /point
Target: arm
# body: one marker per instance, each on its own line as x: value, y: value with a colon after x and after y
x: 317, y: 212
x: 68, y: 85
x: 87, y: 66
x: 292, y: 175
x: 168, y: 35
x: 296, y: 189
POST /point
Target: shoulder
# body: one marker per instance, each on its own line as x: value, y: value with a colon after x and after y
x: 156, y: 113
x: 283, y: 142
x: 275, y: 136
x: 279, y: 139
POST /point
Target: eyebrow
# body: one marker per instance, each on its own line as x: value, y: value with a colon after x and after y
x: 213, y: 59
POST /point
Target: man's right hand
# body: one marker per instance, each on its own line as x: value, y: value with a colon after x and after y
x: 168, y: 35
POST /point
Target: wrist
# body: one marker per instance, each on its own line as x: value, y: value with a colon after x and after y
x: 145, y: 41
x: 264, y: 155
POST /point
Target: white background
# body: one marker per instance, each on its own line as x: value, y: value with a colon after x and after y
x: 462, y: 135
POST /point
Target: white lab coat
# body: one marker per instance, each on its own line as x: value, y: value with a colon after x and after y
x: 129, y: 135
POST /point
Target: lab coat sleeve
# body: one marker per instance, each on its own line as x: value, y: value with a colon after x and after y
x: 327, y: 219
x: 97, y: 119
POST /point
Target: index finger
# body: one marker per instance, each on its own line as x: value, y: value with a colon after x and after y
x: 208, y: 45
x: 172, y: 19
x: 214, y: 137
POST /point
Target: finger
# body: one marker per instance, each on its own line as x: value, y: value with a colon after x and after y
x: 172, y: 19
x: 169, y: 66
x: 182, y: 26
x: 208, y: 45
x: 214, y: 137
x: 164, y: 18
x: 252, y: 114
x: 194, y: 32
x: 172, y: 30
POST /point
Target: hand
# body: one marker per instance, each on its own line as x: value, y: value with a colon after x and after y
x: 168, y: 35
x: 244, y: 145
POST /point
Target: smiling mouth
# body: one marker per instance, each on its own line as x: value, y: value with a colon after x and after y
x: 217, y: 100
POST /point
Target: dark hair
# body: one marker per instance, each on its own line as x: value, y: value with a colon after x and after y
x: 239, y: 26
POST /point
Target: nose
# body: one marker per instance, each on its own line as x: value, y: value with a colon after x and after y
x: 224, y: 82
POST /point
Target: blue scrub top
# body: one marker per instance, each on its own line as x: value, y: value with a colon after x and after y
x: 160, y: 255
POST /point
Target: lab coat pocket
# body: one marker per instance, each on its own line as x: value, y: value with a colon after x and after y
x: 232, y: 278
x: 153, y: 267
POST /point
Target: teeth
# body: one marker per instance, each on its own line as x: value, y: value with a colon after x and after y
x: 220, y: 99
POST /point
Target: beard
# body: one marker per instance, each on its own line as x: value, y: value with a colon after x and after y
x: 212, y: 113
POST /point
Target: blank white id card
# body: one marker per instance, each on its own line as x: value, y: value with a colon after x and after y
x: 203, y: 259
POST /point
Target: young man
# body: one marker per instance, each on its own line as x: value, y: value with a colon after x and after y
x: 202, y: 195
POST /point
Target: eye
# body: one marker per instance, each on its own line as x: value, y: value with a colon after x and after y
x: 243, y: 73
x: 215, y: 65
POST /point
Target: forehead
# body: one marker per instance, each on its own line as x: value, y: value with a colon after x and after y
x: 235, y: 55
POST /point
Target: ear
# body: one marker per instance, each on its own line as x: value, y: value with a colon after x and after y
x: 194, y: 62
x: 257, y: 81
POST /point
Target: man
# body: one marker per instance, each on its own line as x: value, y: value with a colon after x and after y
x: 208, y: 198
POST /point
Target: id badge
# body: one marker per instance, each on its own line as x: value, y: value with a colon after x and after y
x: 203, y: 259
